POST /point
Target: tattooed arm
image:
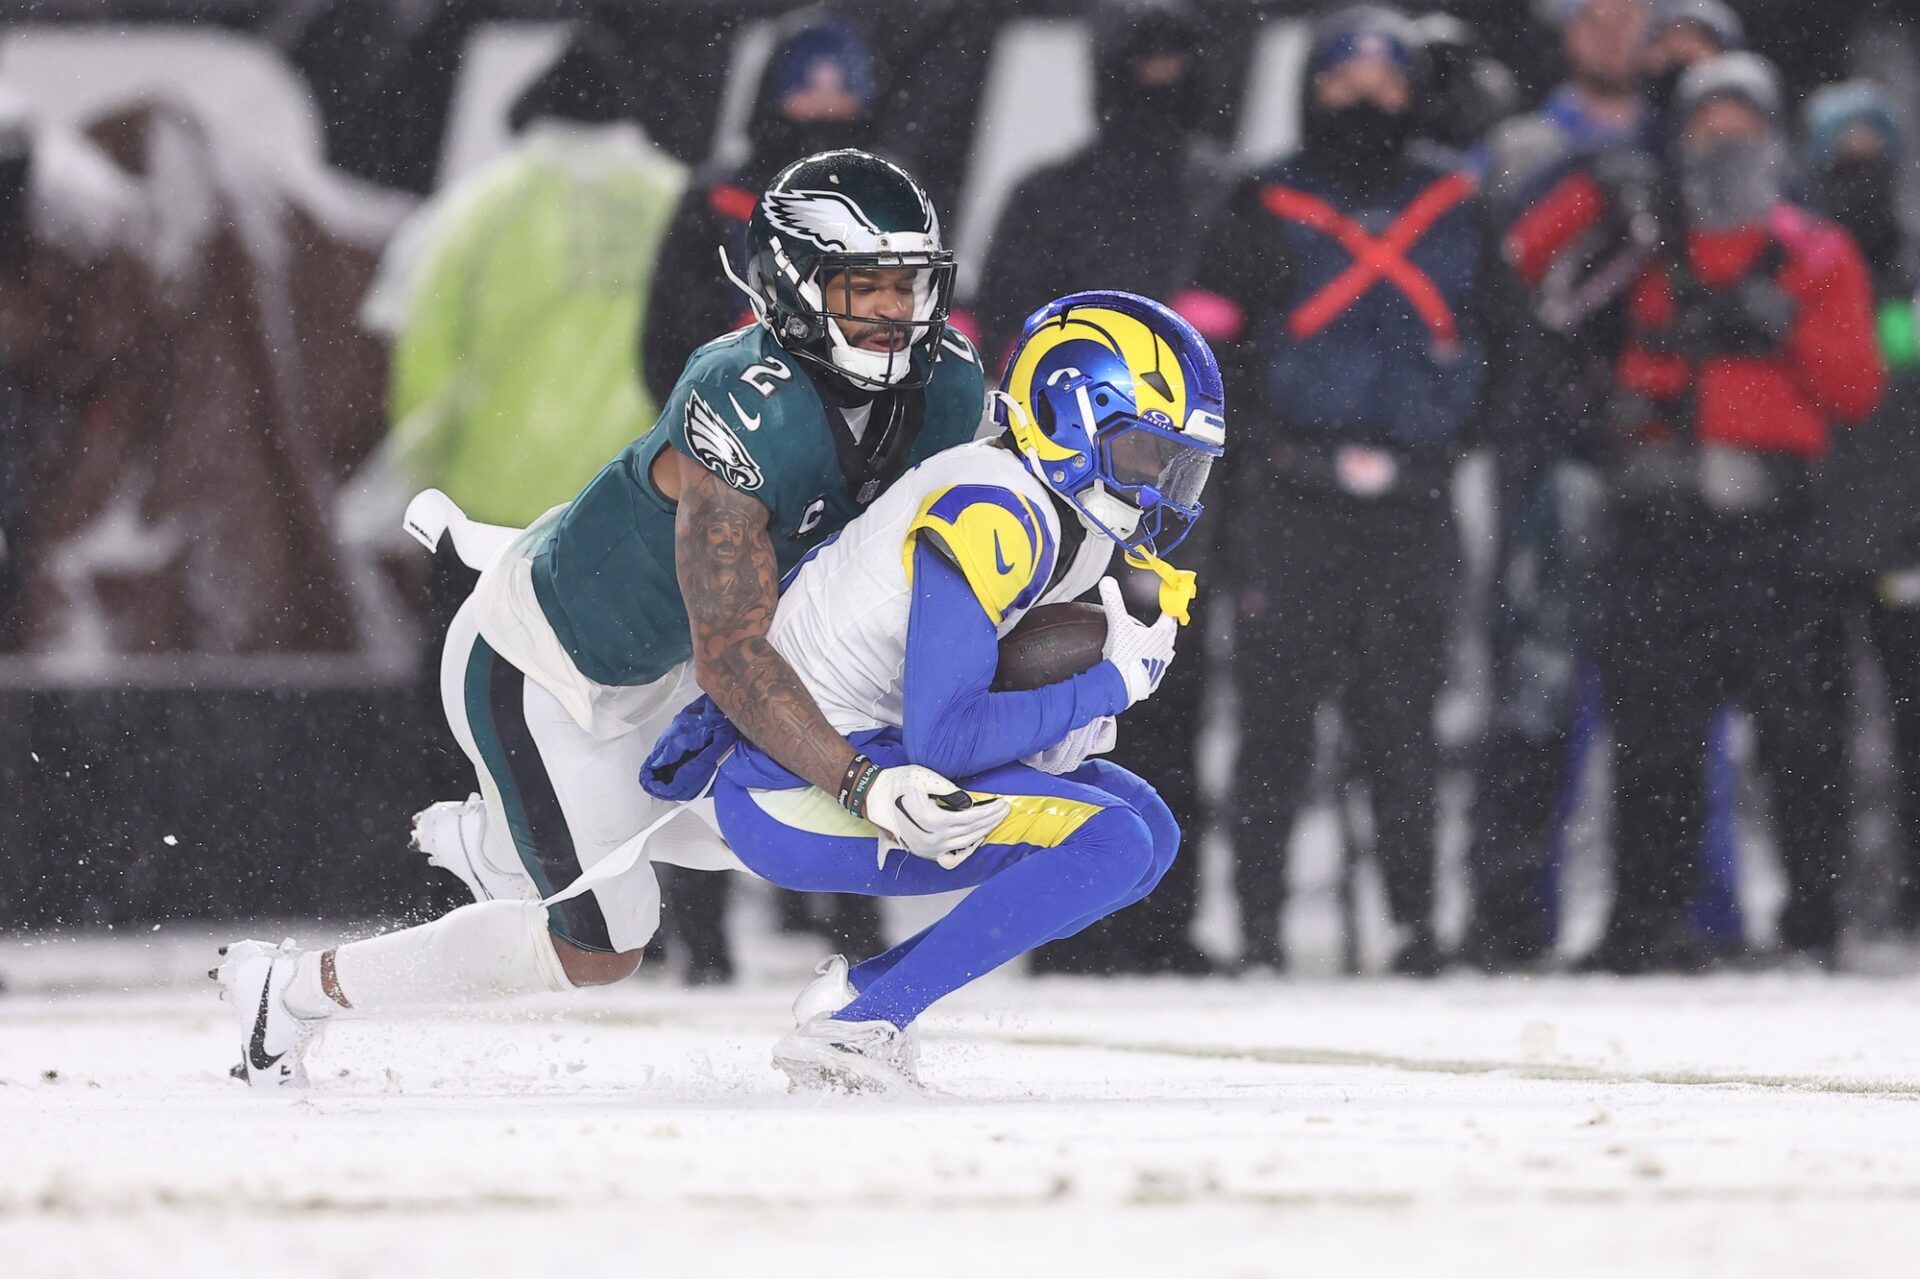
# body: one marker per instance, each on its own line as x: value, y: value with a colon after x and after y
x: 731, y: 584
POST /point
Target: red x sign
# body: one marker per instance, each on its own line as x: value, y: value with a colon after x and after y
x: 1375, y: 258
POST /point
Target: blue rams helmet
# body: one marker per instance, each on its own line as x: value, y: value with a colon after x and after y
x: 1117, y: 405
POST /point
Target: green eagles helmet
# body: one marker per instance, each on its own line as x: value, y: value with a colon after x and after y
x: 846, y: 269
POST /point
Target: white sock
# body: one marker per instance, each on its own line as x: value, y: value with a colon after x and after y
x: 489, y: 950
x: 305, y: 996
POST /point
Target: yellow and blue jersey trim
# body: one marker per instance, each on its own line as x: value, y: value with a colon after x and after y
x: 995, y: 537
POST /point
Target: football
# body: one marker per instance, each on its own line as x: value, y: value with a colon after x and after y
x: 1051, y: 643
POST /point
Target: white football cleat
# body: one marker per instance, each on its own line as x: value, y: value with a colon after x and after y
x: 850, y: 1056
x: 827, y: 993
x: 453, y: 835
x: 273, y: 1042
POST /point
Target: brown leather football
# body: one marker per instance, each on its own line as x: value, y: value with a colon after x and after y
x: 1051, y: 643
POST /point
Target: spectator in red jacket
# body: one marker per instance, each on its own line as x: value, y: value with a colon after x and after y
x: 1746, y: 349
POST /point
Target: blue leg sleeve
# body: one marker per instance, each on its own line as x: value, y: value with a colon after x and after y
x: 868, y: 971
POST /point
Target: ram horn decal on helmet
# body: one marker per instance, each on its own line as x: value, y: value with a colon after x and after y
x: 1117, y: 405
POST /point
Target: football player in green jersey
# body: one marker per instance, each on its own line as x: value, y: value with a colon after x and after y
x: 590, y: 629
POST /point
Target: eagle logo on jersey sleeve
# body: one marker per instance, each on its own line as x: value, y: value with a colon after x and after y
x: 715, y: 446
x: 997, y: 540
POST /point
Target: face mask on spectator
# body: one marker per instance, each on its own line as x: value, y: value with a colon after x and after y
x: 816, y: 93
x: 1858, y: 192
x: 1153, y: 115
x: 1361, y: 139
x: 1731, y: 183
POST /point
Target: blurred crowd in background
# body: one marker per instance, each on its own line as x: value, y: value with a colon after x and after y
x: 1652, y: 289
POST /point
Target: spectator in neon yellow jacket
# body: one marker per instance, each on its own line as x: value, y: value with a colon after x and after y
x: 519, y: 297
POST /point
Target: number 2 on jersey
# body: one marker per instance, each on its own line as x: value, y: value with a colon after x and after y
x: 763, y: 376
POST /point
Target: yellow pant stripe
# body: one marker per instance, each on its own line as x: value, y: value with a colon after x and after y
x: 1043, y: 820
x: 1047, y: 821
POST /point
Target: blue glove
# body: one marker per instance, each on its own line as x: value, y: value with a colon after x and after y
x: 689, y: 752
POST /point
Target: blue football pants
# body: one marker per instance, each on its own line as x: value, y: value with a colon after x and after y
x: 1075, y: 849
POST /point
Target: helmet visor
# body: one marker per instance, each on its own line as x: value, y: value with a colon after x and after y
x: 1142, y: 457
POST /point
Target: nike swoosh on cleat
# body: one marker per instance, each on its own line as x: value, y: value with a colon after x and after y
x: 257, y: 1046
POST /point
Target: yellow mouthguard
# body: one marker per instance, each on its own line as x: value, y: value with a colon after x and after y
x: 1177, y: 585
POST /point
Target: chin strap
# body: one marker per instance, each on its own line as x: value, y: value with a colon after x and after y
x: 1178, y: 586
x: 753, y: 296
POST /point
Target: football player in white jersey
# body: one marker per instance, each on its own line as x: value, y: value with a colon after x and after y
x: 1112, y: 407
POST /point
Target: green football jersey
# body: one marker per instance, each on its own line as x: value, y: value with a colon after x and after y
x: 748, y: 411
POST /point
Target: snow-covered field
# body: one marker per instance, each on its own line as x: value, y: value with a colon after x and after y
x: 1557, y: 1127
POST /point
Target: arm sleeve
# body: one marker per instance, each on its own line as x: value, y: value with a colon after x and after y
x: 1834, y: 349
x: 1237, y: 261
x: 1238, y: 264
x: 952, y: 723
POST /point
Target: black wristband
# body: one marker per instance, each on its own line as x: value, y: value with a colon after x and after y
x: 847, y: 778
x: 856, y: 782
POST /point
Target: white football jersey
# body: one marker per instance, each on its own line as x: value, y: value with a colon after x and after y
x: 842, y: 621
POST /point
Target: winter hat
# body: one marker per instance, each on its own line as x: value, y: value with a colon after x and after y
x: 1711, y: 16
x: 1366, y: 31
x: 817, y: 38
x: 1831, y: 112
x: 1745, y: 77
x: 1558, y: 13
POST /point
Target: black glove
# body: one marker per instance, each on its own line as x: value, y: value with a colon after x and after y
x: 1754, y: 317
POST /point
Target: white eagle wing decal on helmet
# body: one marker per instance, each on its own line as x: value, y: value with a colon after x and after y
x: 826, y: 218
x: 716, y: 447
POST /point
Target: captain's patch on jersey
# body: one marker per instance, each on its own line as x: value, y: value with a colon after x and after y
x: 715, y: 446
x: 995, y: 537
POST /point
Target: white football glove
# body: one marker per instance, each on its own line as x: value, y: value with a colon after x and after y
x: 1096, y: 737
x: 929, y: 816
x: 1141, y: 652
